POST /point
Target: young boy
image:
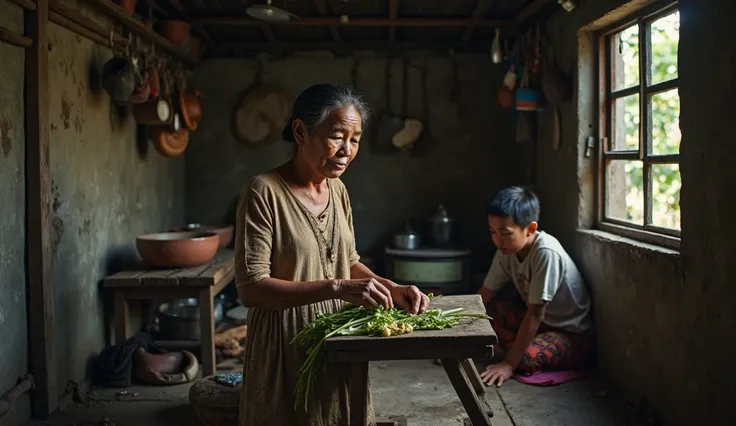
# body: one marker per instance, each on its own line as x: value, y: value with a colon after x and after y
x: 554, y: 330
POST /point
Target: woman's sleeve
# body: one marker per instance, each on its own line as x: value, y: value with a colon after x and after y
x: 354, y: 257
x: 253, y: 238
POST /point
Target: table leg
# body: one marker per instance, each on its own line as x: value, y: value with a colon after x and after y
x: 207, y: 331
x: 469, y: 398
x: 121, y: 313
x: 473, y: 376
x: 359, y: 394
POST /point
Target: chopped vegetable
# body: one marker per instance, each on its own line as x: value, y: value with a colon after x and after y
x: 353, y: 321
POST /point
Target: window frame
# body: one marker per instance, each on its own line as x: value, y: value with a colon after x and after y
x: 647, y: 232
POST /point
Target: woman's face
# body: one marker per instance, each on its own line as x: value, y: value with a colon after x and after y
x: 334, y: 144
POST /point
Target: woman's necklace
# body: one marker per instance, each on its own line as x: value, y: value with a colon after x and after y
x: 326, y: 247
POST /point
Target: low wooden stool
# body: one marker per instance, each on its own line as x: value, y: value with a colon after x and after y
x: 215, y: 404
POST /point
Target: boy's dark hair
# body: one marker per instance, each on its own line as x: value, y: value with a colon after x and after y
x: 522, y: 205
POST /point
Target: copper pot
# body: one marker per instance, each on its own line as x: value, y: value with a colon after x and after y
x: 127, y: 5
x: 170, y: 143
x: 191, y: 110
x: 154, y: 112
x: 176, y: 32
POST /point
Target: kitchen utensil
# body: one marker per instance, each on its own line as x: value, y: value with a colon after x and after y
x: 118, y: 78
x: 177, y: 32
x: 154, y: 112
x: 407, y: 239
x: 177, y: 249
x: 442, y: 227
x: 496, y: 53
x: 260, y: 115
x: 179, y: 319
x: 170, y: 143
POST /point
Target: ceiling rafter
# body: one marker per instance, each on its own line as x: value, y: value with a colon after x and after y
x: 354, y: 22
x: 177, y: 4
x: 482, y: 7
x: 530, y: 9
x: 321, y: 6
x: 393, y: 13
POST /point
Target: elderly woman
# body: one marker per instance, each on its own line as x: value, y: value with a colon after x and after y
x: 295, y: 258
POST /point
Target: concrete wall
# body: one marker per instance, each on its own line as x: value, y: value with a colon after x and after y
x: 470, y: 154
x: 107, y: 187
x: 664, y: 318
x: 13, y: 330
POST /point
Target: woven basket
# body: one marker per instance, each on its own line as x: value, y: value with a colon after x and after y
x: 215, y: 404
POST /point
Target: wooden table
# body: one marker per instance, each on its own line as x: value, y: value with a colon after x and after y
x: 202, y: 282
x: 455, y: 346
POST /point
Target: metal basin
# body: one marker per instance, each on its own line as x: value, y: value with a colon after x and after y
x: 179, y: 319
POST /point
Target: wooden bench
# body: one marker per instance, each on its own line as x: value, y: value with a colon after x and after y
x: 202, y: 282
x: 456, y: 347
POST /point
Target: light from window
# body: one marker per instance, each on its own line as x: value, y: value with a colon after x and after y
x: 640, y: 161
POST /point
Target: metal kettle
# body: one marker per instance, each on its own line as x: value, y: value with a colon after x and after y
x: 442, y: 224
x: 407, y: 239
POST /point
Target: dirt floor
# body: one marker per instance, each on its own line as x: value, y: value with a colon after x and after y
x: 417, y: 392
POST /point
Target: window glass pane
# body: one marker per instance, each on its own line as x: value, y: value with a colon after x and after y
x: 665, y: 37
x: 625, y: 191
x: 625, y: 124
x: 665, y: 125
x: 666, y: 184
x: 625, y: 58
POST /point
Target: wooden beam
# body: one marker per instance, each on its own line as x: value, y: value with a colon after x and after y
x: 176, y: 4
x: 117, y: 13
x: 355, y: 22
x: 393, y: 14
x: 321, y: 6
x: 38, y: 227
x: 14, y: 38
x: 482, y: 7
x: 224, y: 48
x: 530, y: 9
x: 74, y: 21
x: 25, y: 4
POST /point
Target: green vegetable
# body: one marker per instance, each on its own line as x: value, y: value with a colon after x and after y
x: 353, y: 321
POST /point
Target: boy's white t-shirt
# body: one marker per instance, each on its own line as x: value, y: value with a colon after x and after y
x: 547, y: 274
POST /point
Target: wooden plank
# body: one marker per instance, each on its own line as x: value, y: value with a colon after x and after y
x: 359, y: 394
x: 326, y: 21
x: 416, y: 352
x: 159, y: 278
x: 470, y: 332
x: 465, y: 392
x: 13, y: 38
x: 219, y: 267
x: 127, y: 278
x: 38, y: 174
x: 482, y: 7
x: 25, y: 4
x: 207, y: 330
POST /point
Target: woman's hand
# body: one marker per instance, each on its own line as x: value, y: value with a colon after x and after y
x: 366, y: 292
x: 409, y: 298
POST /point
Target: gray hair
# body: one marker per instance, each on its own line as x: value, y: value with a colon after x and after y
x: 317, y: 102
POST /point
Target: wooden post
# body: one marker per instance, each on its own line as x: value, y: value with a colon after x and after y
x: 38, y: 199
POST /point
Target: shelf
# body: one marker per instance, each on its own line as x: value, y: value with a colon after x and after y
x: 117, y: 13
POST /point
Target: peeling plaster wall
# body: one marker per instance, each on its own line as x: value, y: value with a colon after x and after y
x: 108, y: 186
x: 664, y: 318
x: 471, y: 152
x: 13, y: 324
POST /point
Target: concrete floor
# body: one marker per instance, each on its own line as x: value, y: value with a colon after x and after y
x: 418, y: 391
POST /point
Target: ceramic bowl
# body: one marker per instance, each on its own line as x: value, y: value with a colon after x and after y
x: 177, y: 249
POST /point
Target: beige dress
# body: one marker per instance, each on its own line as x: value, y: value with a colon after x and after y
x: 274, y: 238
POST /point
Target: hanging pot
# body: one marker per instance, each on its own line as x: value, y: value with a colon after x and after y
x: 118, y: 78
x: 154, y: 82
x: 127, y: 5
x: 170, y: 143
x: 190, y: 109
x: 154, y: 112
x: 177, y: 32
